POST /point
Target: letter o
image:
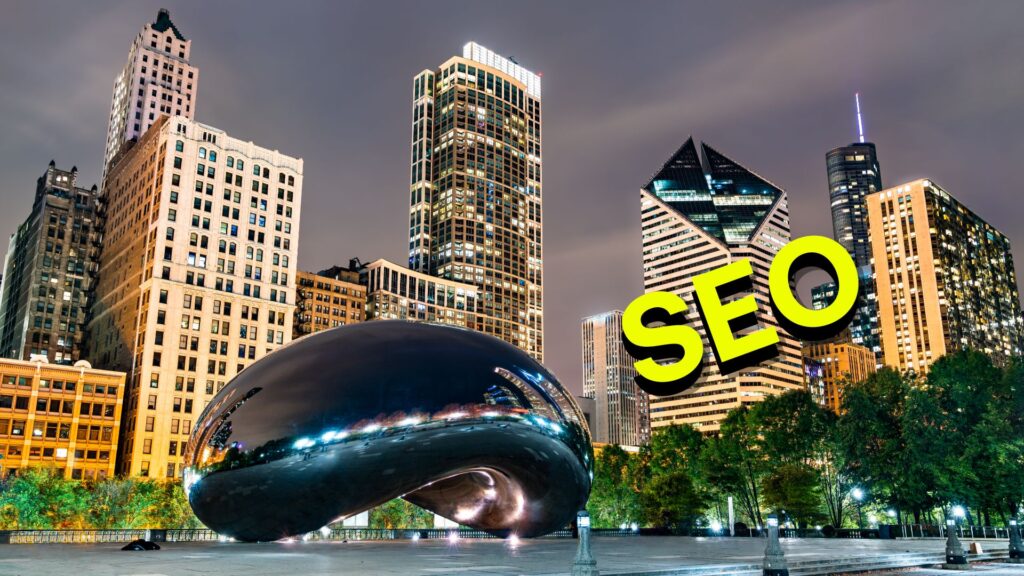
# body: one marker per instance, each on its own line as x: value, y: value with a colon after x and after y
x: 828, y: 255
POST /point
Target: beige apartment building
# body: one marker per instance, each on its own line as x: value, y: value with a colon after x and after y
x: 394, y: 292
x: 328, y: 299
x: 197, y: 277
x: 58, y: 416
x: 945, y: 278
x: 621, y: 411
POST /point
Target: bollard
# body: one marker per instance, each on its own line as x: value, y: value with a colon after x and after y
x: 774, y: 559
x: 1016, y: 546
x: 585, y: 564
x: 956, y: 559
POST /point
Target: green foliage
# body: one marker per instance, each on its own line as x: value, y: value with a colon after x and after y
x: 42, y: 499
x: 792, y: 491
x: 614, y: 496
x: 398, y: 514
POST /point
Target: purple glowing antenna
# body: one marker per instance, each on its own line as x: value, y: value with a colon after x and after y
x: 860, y: 123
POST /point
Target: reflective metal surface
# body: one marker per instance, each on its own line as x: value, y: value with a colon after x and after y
x: 452, y: 420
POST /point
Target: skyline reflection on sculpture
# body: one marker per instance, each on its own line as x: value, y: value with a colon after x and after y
x: 454, y: 421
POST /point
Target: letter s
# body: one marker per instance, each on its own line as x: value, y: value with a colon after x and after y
x: 654, y: 346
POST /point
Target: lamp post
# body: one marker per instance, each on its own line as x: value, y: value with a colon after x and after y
x: 774, y: 558
x: 585, y: 564
x: 1016, y: 546
x: 955, y: 557
x: 858, y: 496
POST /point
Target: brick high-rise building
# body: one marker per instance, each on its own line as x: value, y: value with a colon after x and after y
x: 475, y: 193
x: 158, y: 79
x: 945, y: 278
x: 50, y: 271
x: 196, y: 279
x: 327, y: 299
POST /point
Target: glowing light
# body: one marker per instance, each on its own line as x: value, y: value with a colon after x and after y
x: 305, y: 537
x: 490, y: 494
x: 513, y: 541
x: 372, y: 428
x: 716, y: 526
x: 634, y: 527
x: 490, y: 414
x: 958, y: 511
x: 465, y: 514
x: 325, y: 531
x: 891, y: 513
x: 411, y: 421
x: 329, y: 435
x: 623, y: 526
x: 860, y: 122
x: 455, y: 416
x: 857, y: 494
x: 303, y: 443
x: 416, y: 537
x: 453, y: 537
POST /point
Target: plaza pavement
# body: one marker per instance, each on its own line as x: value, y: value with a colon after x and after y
x: 546, y: 556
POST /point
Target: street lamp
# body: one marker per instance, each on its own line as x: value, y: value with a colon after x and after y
x: 959, y: 512
x: 858, y: 495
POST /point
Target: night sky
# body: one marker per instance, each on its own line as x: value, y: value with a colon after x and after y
x: 770, y: 84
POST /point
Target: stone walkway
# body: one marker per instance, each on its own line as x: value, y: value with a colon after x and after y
x: 467, y: 557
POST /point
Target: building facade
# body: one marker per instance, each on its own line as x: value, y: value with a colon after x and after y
x: 327, y: 299
x: 853, y: 174
x: 475, y: 188
x: 394, y: 292
x: 158, y: 79
x: 700, y: 212
x: 621, y: 410
x: 63, y: 417
x: 50, y: 271
x: 197, y: 277
x: 945, y: 278
x: 841, y: 362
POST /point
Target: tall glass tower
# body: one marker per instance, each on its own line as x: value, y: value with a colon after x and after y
x: 701, y: 211
x: 475, y: 188
x: 853, y: 174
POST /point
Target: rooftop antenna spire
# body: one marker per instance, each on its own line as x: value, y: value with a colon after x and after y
x: 860, y: 122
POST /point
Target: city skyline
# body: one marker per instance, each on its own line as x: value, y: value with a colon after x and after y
x: 603, y: 135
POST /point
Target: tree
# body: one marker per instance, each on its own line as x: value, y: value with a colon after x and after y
x: 123, y: 503
x: 400, y: 514
x: 733, y: 463
x: 671, y: 501
x: 614, y: 497
x: 41, y: 499
x: 792, y: 490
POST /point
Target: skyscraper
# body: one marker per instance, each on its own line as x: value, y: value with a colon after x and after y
x: 196, y: 279
x: 945, y: 278
x: 157, y: 79
x: 621, y: 411
x: 50, y: 271
x: 700, y: 212
x: 475, y: 193
x: 853, y: 174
